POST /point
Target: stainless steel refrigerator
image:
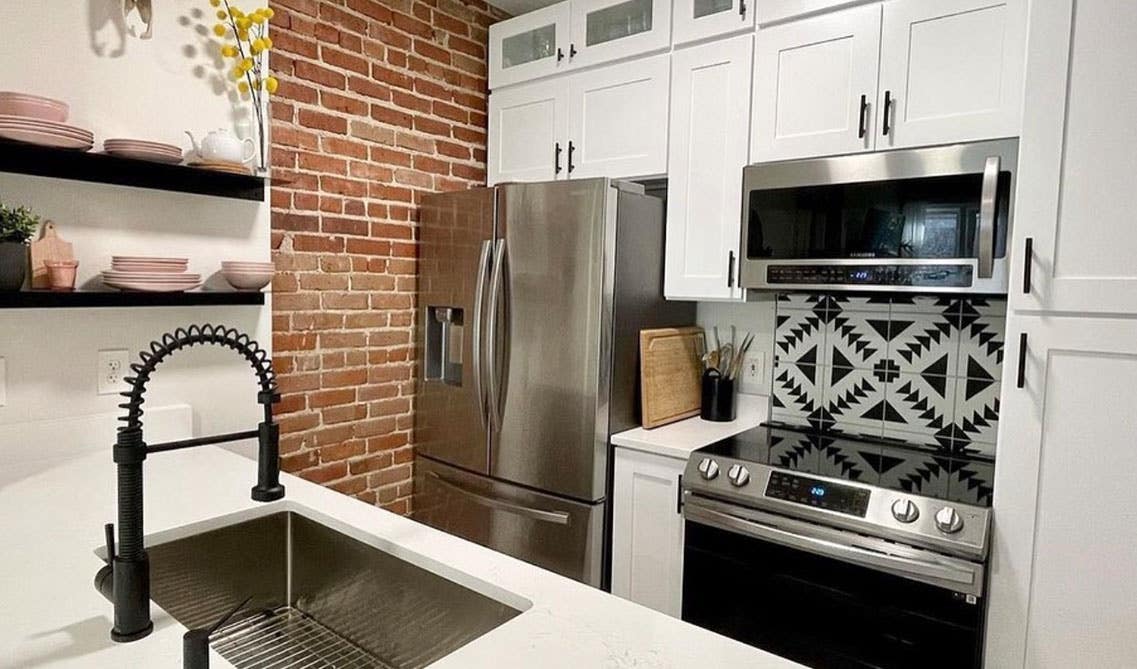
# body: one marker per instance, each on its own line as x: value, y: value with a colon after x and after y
x: 531, y: 299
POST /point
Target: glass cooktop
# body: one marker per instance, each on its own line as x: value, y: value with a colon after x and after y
x: 897, y: 465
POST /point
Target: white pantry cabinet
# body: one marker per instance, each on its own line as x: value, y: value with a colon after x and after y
x: 1077, y: 160
x: 604, y: 30
x: 618, y: 120
x: 707, y: 149
x: 1065, y: 534
x: 528, y: 125
x: 815, y: 84
x: 951, y: 71
x: 694, y: 20
x: 647, y: 530
x: 533, y: 45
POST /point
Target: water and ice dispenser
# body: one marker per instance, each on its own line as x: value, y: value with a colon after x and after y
x: 444, y: 344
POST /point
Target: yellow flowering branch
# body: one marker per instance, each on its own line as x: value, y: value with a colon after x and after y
x: 251, y: 31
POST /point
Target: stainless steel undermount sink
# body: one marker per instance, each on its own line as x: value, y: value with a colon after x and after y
x: 319, y: 597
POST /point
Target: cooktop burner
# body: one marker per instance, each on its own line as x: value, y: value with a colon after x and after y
x: 895, y: 465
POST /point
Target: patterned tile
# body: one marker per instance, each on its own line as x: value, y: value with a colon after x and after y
x: 985, y: 306
x: 920, y: 405
x: 925, y: 304
x: 915, y: 472
x: 976, y: 416
x: 797, y: 394
x: 922, y: 343
x: 850, y: 400
x: 843, y: 302
x: 982, y: 342
x: 855, y: 339
x: 800, y: 301
x: 798, y: 337
x: 971, y: 481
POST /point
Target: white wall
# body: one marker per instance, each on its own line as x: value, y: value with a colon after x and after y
x: 120, y: 86
x: 757, y: 316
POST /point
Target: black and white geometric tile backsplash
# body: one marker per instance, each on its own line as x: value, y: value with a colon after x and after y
x: 923, y: 371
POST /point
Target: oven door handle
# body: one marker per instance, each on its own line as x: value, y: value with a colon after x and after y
x: 988, y: 210
x: 828, y: 548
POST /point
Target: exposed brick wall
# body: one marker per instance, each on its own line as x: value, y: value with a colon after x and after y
x: 379, y: 102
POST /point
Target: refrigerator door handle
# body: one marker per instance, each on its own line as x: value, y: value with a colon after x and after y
x: 479, y: 304
x: 494, y: 384
x: 557, y: 517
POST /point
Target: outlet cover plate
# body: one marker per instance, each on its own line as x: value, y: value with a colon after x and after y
x: 752, y: 374
x: 113, y: 366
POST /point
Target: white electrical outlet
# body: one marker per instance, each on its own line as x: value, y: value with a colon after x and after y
x: 3, y: 382
x: 753, y: 371
x: 113, y: 366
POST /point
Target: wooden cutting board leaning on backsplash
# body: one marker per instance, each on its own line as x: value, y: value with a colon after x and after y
x: 48, y: 247
x: 670, y: 374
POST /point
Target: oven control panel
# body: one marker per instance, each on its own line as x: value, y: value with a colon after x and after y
x: 847, y: 499
x: 924, y: 276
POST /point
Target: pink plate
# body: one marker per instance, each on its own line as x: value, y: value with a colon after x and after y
x: 141, y: 143
x: 45, y: 138
x: 158, y: 276
x: 33, y: 106
x: 148, y: 267
x: 151, y: 156
x: 177, y: 261
x: 40, y: 124
x: 153, y: 287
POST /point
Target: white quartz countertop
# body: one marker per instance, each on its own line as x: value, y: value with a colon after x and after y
x: 51, y: 519
x: 678, y: 439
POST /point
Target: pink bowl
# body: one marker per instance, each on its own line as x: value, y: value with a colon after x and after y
x: 33, y: 106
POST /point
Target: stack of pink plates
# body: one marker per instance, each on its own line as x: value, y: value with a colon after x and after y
x: 143, y: 150
x: 45, y: 133
x: 150, y: 274
x: 33, y: 106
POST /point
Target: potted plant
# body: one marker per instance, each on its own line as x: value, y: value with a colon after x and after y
x: 17, y: 225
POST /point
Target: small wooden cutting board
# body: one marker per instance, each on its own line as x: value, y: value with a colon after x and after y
x: 48, y: 247
x: 670, y: 374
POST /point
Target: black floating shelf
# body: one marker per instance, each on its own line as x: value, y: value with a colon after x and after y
x: 45, y: 161
x: 44, y: 299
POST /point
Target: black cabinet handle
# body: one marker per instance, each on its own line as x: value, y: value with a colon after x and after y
x: 1028, y: 262
x: 571, y: 150
x: 557, y: 158
x: 572, y: 51
x: 887, y: 127
x: 730, y: 269
x: 560, y: 54
x: 742, y: 8
x: 862, y: 126
x: 1022, y: 361
x: 679, y: 496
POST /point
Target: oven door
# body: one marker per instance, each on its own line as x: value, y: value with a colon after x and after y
x: 932, y: 219
x: 825, y: 597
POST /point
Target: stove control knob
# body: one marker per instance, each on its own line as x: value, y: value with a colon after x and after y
x: 708, y: 469
x: 738, y: 475
x: 905, y: 510
x: 948, y: 520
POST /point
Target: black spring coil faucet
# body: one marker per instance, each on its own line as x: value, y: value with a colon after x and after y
x: 125, y: 580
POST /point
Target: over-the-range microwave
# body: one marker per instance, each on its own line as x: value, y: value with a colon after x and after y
x: 931, y: 220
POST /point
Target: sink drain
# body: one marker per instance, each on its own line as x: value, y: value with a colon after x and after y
x: 286, y: 637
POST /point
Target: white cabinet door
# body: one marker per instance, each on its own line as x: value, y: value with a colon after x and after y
x: 604, y: 30
x: 814, y: 85
x: 1077, y: 161
x: 527, y: 129
x: 647, y: 530
x: 1062, y: 588
x: 778, y: 10
x: 532, y: 45
x: 700, y: 19
x: 618, y: 120
x: 709, y: 136
x: 951, y: 70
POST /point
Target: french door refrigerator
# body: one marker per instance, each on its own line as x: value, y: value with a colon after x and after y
x: 531, y: 299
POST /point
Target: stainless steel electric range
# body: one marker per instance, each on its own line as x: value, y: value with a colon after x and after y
x: 836, y: 552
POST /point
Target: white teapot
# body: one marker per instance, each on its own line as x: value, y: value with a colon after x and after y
x: 224, y: 147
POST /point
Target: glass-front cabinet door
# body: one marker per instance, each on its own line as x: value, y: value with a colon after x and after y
x: 535, y: 44
x: 605, y: 30
x: 700, y: 19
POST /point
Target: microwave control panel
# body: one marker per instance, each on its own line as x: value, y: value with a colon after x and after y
x: 828, y: 495
x: 923, y: 276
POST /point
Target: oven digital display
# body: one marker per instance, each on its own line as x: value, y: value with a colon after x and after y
x: 821, y: 494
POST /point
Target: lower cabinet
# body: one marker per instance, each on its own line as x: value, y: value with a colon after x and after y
x: 1065, y: 534
x: 647, y: 530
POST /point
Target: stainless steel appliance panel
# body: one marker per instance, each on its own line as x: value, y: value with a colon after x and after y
x: 550, y: 335
x: 457, y: 232
x: 560, y: 535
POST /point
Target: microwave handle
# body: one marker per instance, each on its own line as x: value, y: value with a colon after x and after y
x: 988, y: 210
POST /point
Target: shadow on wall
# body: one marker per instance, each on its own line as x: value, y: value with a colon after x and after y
x: 100, y: 15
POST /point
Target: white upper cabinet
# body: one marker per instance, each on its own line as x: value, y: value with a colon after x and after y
x: 815, y: 83
x: 709, y: 136
x: 951, y: 71
x: 1077, y: 160
x: 604, y: 30
x: 618, y: 120
x: 528, y: 126
x: 532, y: 45
x: 779, y: 10
x: 647, y: 530
x: 700, y: 19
